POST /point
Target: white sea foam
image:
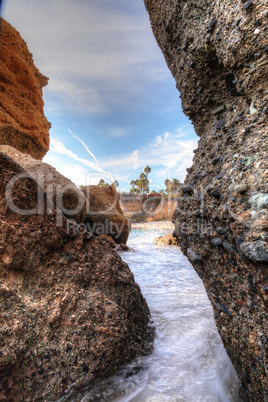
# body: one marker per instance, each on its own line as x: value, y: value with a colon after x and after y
x: 189, y: 362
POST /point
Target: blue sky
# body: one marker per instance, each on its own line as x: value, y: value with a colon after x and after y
x: 111, y: 99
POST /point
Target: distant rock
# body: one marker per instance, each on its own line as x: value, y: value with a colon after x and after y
x: 164, y: 211
x: 131, y: 204
x: 104, y: 215
x: 168, y: 240
x: 22, y: 121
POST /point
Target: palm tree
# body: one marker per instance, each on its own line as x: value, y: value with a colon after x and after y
x: 101, y: 183
x: 147, y: 170
x: 143, y: 182
x: 175, y: 184
x: 115, y: 183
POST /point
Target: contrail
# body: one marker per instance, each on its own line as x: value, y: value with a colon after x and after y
x: 84, y: 145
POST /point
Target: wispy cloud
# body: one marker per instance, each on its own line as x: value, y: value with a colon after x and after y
x: 167, y: 154
x: 84, y: 145
x: 59, y: 148
x: 159, y: 154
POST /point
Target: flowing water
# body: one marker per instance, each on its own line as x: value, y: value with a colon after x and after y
x: 189, y: 362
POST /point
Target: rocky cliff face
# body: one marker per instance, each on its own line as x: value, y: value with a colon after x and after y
x: 164, y: 211
x: 70, y: 310
x: 131, y: 205
x: 22, y: 121
x: 217, y: 52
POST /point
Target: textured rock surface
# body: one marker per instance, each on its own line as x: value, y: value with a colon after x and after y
x: 217, y: 52
x: 151, y: 208
x: 104, y: 215
x: 63, y: 193
x: 164, y: 211
x: 22, y: 121
x: 70, y: 310
x: 168, y: 240
x: 131, y: 205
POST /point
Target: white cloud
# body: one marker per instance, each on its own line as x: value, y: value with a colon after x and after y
x: 159, y: 154
x: 134, y: 158
x: 168, y: 154
x: 91, y: 52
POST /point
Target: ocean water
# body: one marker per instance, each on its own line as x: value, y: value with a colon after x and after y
x: 189, y: 362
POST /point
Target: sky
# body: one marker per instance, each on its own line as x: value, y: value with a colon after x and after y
x: 111, y: 98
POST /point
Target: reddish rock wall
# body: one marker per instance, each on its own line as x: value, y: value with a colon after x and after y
x: 22, y: 121
x: 164, y: 211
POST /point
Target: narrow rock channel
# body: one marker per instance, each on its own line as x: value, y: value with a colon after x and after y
x: 189, y: 362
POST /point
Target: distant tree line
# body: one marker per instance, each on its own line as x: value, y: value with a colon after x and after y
x: 102, y: 183
x: 141, y: 185
x: 172, y: 185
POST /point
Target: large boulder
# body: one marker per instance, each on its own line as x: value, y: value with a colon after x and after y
x: 217, y: 52
x: 22, y: 121
x: 104, y: 214
x: 70, y: 308
x: 62, y: 192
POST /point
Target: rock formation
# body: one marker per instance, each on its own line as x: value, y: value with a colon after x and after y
x: 70, y: 310
x: 217, y: 52
x: 168, y: 240
x: 62, y: 192
x: 131, y: 204
x: 164, y: 211
x: 104, y: 214
x: 154, y: 207
x: 22, y: 121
